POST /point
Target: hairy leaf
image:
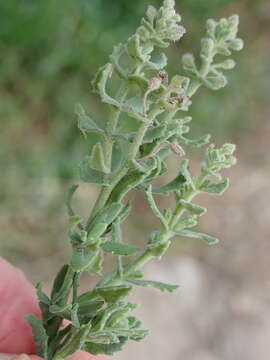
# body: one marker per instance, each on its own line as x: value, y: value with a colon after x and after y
x: 157, y: 284
x: 39, y: 334
x: 119, y: 248
x: 187, y: 233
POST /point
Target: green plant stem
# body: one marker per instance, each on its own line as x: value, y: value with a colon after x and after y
x: 105, y: 194
x: 137, y: 141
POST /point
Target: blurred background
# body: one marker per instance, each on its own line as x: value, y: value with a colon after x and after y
x: 50, y: 51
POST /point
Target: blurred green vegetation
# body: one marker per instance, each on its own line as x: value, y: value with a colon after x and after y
x: 50, y: 51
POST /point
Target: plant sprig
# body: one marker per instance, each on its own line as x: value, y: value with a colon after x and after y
x: 145, y: 126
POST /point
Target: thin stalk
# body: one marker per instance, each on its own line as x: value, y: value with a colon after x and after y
x: 105, y: 194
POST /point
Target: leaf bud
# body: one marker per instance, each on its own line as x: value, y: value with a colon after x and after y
x: 151, y: 12
x: 188, y: 62
x: 177, y: 31
x: 169, y: 3
x: 227, y: 64
x: 210, y: 27
x: 207, y: 47
x: 228, y: 149
x: 233, y: 22
x: 142, y: 32
x: 216, y: 82
x: 236, y: 44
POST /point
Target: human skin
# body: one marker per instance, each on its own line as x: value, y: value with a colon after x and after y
x: 18, y: 299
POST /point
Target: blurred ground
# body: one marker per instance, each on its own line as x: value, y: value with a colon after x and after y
x: 50, y: 53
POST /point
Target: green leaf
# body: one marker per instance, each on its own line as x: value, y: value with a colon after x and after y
x: 216, y: 189
x: 193, y: 208
x: 85, y: 123
x: 103, y: 337
x: 186, y: 173
x: 70, y: 194
x: 125, y: 211
x: 133, y: 334
x: 90, y: 175
x: 157, y: 64
x: 119, y: 153
x: 39, y: 334
x: 153, y: 133
x: 135, y: 50
x: 187, y: 222
x: 62, y: 283
x: 154, y: 207
x: 97, y: 230
x: 187, y: 233
x: 174, y: 185
x: 60, y: 309
x: 157, y: 284
x: 42, y: 297
x: 131, y: 180
x: 82, y: 259
x: 106, y: 215
x: 88, y: 308
x: 97, y: 159
x: 95, y: 265
x: 107, y: 349
x: 99, y: 84
x: 196, y: 142
x: 119, y: 248
x: 74, y: 315
x: 113, y: 294
x: 75, y: 343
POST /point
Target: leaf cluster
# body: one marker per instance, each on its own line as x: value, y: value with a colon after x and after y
x: 121, y: 161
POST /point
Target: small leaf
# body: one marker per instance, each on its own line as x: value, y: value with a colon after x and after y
x: 42, y: 297
x: 97, y: 230
x: 97, y: 159
x: 125, y: 212
x: 119, y: 248
x: 75, y: 343
x: 58, y: 309
x: 157, y: 284
x: 103, y: 337
x: 174, y: 185
x: 135, y: 50
x: 85, y: 123
x: 196, y: 142
x: 95, y: 265
x: 193, y: 208
x: 154, y: 207
x: 70, y: 194
x: 74, y: 316
x: 81, y: 259
x: 88, y: 308
x: 62, y: 283
x: 106, y: 215
x: 153, y: 133
x: 99, y: 84
x: 113, y: 294
x: 186, y: 173
x: 90, y: 175
x: 133, y: 334
x: 119, y: 153
x: 107, y: 349
x: 158, y: 64
x: 216, y: 189
x: 131, y: 180
x: 39, y: 334
x: 187, y: 233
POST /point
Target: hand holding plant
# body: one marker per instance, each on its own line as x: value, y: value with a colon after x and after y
x: 17, y: 299
x: 147, y: 122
